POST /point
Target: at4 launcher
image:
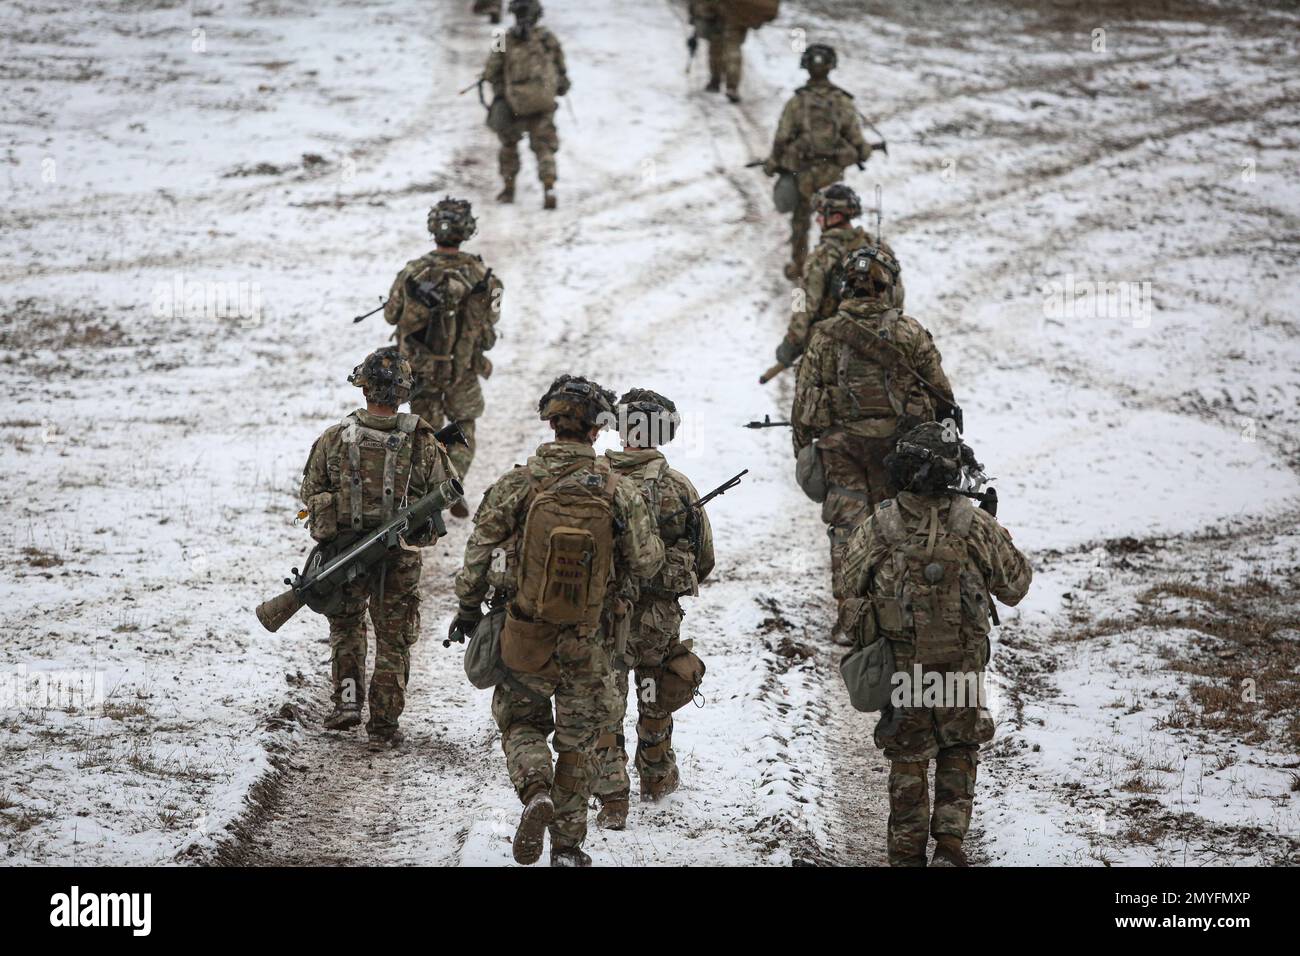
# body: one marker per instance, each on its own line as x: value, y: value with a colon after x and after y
x: 319, y: 585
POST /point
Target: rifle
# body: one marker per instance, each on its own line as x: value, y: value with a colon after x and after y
x: 320, y: 584
x: 383, y: 302
x: 754, y: 163
x: 768, y: 423
x: 479, y: 83
x: 722, y: 489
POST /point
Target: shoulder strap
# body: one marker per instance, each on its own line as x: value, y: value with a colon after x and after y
x: 961, y: 515
x: 889, y: 518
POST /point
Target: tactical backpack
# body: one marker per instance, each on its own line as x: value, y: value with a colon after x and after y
x: 924, y: 591
x: 871, y: 380
x: 434, y: 319
x: 531, y: 80
x: 677, y: 575
x: 750, y: 14
x: 565, y: 562
x: 820, y: 134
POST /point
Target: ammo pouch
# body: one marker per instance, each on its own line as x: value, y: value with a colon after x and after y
x: 677, y: 577
x: 483, y: 664
x: 809, y: 474
x: 678, y: 678
x: 527, y: 646
x: 500, y: 116
x: 323, y: 516
x: 785, y: 193
x: 867, y: 669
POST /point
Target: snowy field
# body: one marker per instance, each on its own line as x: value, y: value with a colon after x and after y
x: 200, y: 195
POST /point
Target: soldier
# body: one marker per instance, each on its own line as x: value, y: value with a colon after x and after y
x: 648, y: 419
x: 445, y: 305
x: 870, y: 371
x: 819, y: 136
x: 528, y: 73
x: 725, y: 37
x: 359, y: 473
x: 491, y: 7
x: 836, y: 207
x: 570, y: 663
x: 930, y: 548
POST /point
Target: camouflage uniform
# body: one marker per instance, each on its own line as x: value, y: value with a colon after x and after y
x: 361, y: 446
x: 853, y: 405
x: 655, y: 624
x: 580, y: 676
x: 543, y: 138
x: 447, y: 382
x: 818, y: 299
x: 817, y: 157
x: 725, y: 40
x: 912, y: 736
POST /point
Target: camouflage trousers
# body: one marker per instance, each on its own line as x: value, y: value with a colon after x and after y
x: 461, y: 401
x: 913, y: 736
x: 392, y: 592
x: 543, y: 140
x: 655, y: 629
x: 581, y: 680
x: 725, y: 57
x: 808, y: 181
x: 856, y: 481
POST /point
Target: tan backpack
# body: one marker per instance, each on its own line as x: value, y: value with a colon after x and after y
x: 566, y: 552
x: 921, y: 583
x: 750, y: 13
x: 531, y: 78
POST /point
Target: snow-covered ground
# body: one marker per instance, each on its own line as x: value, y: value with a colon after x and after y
x: 279, y: 156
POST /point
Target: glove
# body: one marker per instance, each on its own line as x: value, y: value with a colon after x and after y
x: 787, y: 353
x: 563, y: 87
x: 769, y: 168
x: 463, y: 624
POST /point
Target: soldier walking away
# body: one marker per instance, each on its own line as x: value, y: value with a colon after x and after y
x: 926, y: 563
x: 647, y: 420
x: 491, y: 7
x: 556, y: 541
x: 870, y: 372
x: 445, y: 305
x: 823, y: 275
x: 359, y: 473
x: 527, y: 74
x: 723, y: 24
x: 818, y: 137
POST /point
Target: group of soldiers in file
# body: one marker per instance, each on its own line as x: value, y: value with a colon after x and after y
x: 877, y: 441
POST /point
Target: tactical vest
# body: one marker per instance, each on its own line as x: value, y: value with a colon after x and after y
x: 928, y: 591
x: 868, y: 383
x: 531, y: 80
x: 377, y: 471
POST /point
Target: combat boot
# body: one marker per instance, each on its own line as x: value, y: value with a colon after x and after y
x: 733, y: 96
x: 507, y: 193
x: 948, y: 852
x: 794, y: 271
x: 345, y: 717
x: 613, y: 813
x: 385, y: 739
x: 656, y: 788
x: 538, y: 813
x: 714, y: 86
x: 569, y: 856
x: 548, y: 200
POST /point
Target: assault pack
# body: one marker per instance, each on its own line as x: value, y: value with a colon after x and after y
x: 531, y: 80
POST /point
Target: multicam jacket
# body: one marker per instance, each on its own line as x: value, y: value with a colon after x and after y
x: 818, y: 299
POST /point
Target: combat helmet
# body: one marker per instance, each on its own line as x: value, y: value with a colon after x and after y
x: 526, y: 11
x: 837, y: 198
x: 452, y: 221
x: 930, y: 458
x: 868, y: 271
x: 576, y: 405
x: 818, y: 57
x: 385, y: 377
x: 647, y: 419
